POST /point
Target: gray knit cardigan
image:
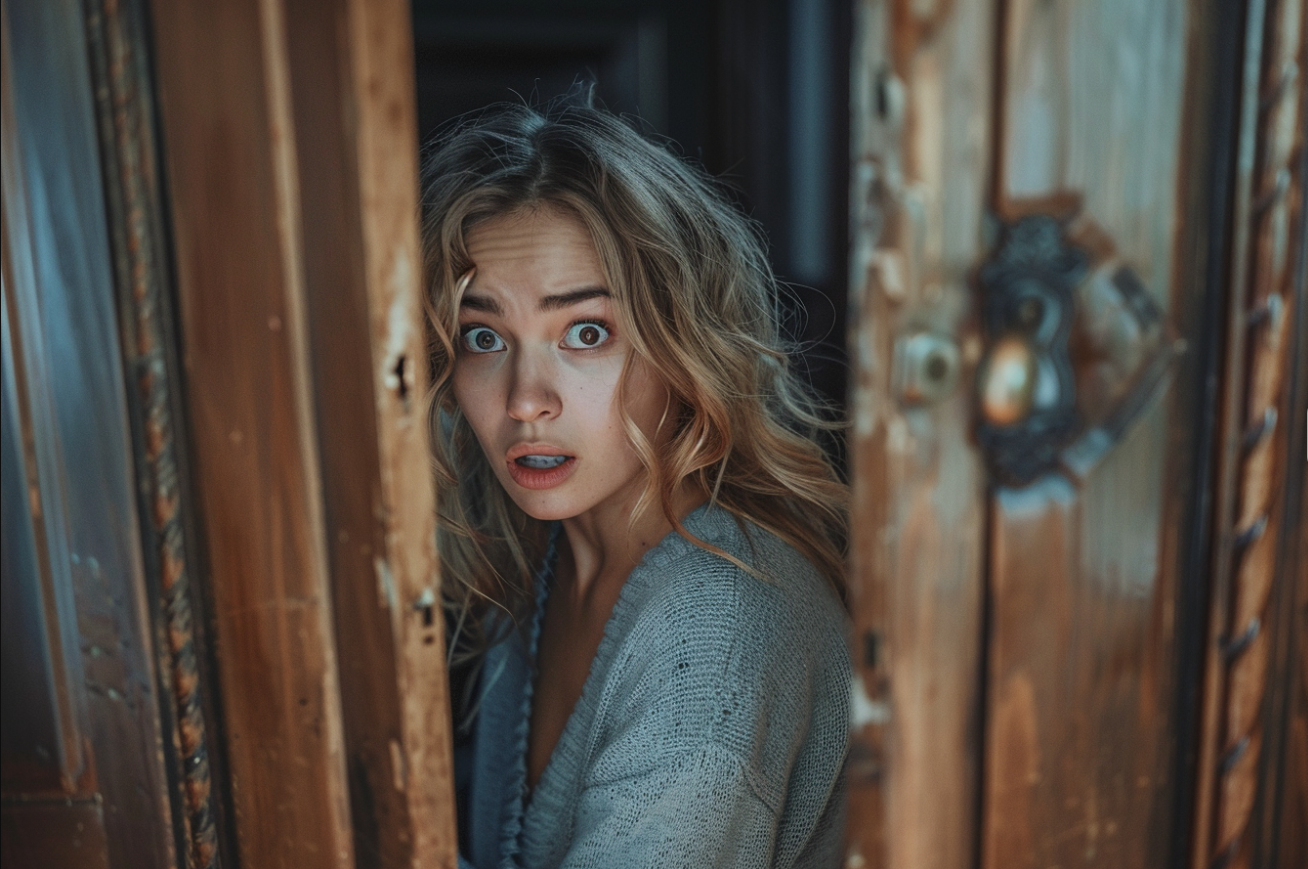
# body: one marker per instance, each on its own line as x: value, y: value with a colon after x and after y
x: 711, y: 731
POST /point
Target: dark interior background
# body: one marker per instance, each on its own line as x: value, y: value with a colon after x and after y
x: 755, y: 90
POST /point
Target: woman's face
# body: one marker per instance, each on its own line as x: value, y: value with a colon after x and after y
x: 539, y: 359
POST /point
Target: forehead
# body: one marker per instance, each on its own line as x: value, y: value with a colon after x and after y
x: 537, y: 251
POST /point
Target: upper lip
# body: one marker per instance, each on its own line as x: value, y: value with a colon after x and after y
x: 521, y: 450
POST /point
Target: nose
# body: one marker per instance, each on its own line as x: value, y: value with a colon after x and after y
x: 533, y: 396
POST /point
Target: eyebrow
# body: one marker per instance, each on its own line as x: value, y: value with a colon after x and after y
x: 548, y: 303
x: 566, y: 300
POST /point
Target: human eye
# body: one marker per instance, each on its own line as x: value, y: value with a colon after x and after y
x: 479, y: 339
x: 586, y: 334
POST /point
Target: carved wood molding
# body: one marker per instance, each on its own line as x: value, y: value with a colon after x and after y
x: 1258, y: 416
x: 115, y: 33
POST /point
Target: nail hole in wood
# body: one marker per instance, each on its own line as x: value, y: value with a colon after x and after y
x: 401, y: 380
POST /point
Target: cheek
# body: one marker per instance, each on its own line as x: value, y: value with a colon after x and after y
x: 472, y: 394
x: 590, y: 407
x: 589, y: 392
x: 647, y: 401
x: 460, y: 389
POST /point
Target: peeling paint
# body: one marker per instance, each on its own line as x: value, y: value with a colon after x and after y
x: 387, y: 597
x: 399, y: 325
x: 863, y: 710
x: 898, y: 439
x: 399, y: 770
x: 889, y: 268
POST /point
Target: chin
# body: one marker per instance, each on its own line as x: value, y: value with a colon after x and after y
x: 544, y: 512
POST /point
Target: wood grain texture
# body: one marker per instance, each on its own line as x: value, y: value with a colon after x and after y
x: 1288, y: 825
x: 341, y: 363
x: 84, y: 497
x: 1080, y: 715
x: 351, y: 70
x: 228, y: 127
x: 60, y: 762
x: 336, y: 344
x: 62, y: 834
x: 921, y: 149
x: 381, y: 43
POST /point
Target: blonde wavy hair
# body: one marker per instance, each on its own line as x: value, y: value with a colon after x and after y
x: 695, y: 295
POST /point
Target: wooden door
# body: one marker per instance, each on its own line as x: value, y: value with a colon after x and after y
x: 222, y: 631
x: 289, y: 142
x: 1044, y: 290
x: 89, y: 756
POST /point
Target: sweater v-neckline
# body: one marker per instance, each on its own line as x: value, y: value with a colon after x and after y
x: 566, y: 749
x: 566, y: 735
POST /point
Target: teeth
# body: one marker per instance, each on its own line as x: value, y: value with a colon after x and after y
x: 541, y: 462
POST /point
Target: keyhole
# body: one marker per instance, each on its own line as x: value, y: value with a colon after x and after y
x: 936, y: 367
x: 1030, y: 311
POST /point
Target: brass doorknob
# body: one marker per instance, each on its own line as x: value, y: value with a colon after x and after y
x: 1052, y: 285
x: 1006, y: 380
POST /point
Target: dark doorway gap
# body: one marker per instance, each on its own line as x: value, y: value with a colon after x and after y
x: 757, y: 91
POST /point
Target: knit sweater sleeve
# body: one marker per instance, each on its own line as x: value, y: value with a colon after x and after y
x: 717, y: 743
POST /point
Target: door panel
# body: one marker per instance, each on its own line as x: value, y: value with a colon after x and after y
x: 1030, y: 616
x: 68, y: 834
x: 1081, y: 643
x: 290, y: 140
x: 922, y: 151
x: 67, y: 400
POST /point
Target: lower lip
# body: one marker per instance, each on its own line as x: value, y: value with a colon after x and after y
x: 541, y: 478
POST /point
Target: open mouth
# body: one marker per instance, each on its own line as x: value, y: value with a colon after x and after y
x: 541, y: 463
x: 541, y: 470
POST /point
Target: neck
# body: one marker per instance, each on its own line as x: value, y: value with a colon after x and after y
x: 603, y: 544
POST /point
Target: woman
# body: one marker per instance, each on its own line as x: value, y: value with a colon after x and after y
x: 641, y: 544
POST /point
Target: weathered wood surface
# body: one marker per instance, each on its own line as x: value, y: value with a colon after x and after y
x: 228, y: 129
x: 381, y: 43
x: 1286, y: 827
x: 356, y: 141
x: 922, y: 108
x: 305, y: 346
x: 1080, y: 711
x: 1258, y: 417
x: 49, y: 754
x: 60, y: 307
x: 119, y: 53
x: 55, y: 834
